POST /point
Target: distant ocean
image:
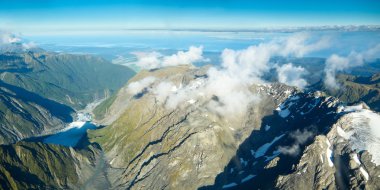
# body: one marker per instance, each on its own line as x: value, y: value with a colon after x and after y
x: 110, y: 46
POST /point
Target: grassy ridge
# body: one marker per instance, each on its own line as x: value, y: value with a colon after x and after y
x: 355, y: 89
x: 74, y: 80
x: 41, y: 166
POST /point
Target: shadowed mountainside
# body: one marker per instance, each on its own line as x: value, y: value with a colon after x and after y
x: 24, y: 114
x: 74, y: 80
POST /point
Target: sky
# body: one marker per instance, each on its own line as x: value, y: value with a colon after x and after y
x: 73, y: 15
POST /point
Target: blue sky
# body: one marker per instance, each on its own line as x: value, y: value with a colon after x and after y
x: 74, y: 15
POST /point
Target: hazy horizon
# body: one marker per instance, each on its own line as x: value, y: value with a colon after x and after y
x: 46, y: 16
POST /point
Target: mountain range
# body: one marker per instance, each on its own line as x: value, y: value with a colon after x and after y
x: 285, y: 138
x: 42, y: 91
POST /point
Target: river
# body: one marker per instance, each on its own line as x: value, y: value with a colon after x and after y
x: 71, y: 135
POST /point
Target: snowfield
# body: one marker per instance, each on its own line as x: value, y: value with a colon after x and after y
x: 364, y: 132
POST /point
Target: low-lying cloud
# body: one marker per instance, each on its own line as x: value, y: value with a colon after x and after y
x: 336, y: 63
x: 153, y: 60
x: 301, y: 44
x: 227, y: 87
x: 139, y: 86
x: 149, y: 60
x: 300, y: 138
x: 8, y: 38
x: 292, y: 75
x: 189, y: 57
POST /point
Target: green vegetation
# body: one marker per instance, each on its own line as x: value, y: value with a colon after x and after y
x: 100, y: 110
x: 24, y: 114
x: 131, y: 130
x: 355, y: 89
x: 27, y: 165
x: 74, y: 80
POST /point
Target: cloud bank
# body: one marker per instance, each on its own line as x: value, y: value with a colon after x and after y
x: 291, y: 75
x: 299, y: 137
x: 226, y: 88
x: 155, y: 60
x: 138, y: 86
x: 336, y: 63
x: 9, y: 39
x: 149, y: 60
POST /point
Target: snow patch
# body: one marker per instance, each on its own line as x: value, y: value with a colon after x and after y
x: 321, y: 157
x: 342, y: 133
x: 353, y: 108
x: 356, y: 159
x: 275, y: 154
x: 191, y: 101
x: 243, y: 162
x: 364, y: 173
x: 364, y: 132
x: 229, y: 185
x: 264, y: 148
x: 249, y: 177
x: 329, y: 154
x: 284, y: 113
x: 293, y: 98
x: 267, y: 127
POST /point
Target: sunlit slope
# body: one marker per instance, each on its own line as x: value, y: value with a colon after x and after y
x: 41, y: 166
x: 146, y: 139
x: 354, y: 89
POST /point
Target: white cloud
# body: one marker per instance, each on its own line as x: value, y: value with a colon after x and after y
x: 29, y: 45
x: 231, y: 90
x: 149, y: 60
x: 226, y: 88
x: 250, y: 63
x: 372, y: 54
x: 138, y: 86
x: 8, y: 38
x: 154, y: 60
x: 163, y: 90
x: 194, y: 54
x: 301, y: 44
x: 299, y: 137
x: 291, y: 75
x: 336, y: 63
x: 292, y: 150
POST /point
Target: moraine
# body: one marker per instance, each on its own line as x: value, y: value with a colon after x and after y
x: 74, y: 132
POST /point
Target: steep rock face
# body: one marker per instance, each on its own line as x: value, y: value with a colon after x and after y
x: 273, y: 150
x: 74, y: 80
x: 115, y: 106
x: 284, y: 139
x: 24, y: 114
x: 344, y: 158
x: 40, y: 166
x: 282, y: 135
x: 150, y: 146
x: 315, y: 169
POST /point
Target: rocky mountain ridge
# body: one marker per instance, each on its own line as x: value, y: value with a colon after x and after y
x: 286, y: 139
x: 191, y: 147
